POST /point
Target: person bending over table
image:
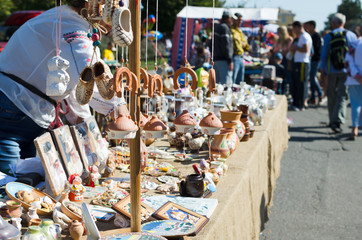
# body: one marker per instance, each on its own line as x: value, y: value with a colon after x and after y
x: 25, y: 115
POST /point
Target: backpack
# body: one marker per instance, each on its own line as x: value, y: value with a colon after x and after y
x: 338, y: 49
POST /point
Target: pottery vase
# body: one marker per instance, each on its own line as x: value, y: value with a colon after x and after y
x: 50, y: 230
x: 34, y: 233
x: 219, y: 146
x: 15, y: 209
x: 16, y: 222
x: 232, y: 139
x: 231, y: 116
x: 76, y: 230
x: 32, y: 214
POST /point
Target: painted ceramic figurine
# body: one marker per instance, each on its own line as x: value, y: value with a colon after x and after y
x: 92, y: 179
x: 76, y: 189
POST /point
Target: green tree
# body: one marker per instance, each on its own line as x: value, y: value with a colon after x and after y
x: 168, y: 9
x: 352, y: 10
x: 6, y: 7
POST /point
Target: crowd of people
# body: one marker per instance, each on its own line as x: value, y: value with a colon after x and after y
x: 314, y: 66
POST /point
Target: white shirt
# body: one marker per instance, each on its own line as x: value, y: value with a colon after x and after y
x: 26, y: 56
x: 304, y: 38
x: 354, y: 62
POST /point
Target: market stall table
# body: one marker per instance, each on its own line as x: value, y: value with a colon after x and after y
x: 245, y: 193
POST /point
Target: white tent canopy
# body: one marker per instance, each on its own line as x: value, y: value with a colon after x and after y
x: 270, y: 14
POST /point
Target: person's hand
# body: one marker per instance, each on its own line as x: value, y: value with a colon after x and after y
x: 293, y: 48
x: 231, y: 66
x: 358, y: 78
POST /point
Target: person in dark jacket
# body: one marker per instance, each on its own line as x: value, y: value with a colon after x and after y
x: 223, y: 49
x: 315, y: 88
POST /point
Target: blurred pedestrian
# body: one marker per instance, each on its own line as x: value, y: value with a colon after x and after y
x: 335, y: 46
x: 223, y: 50
x: 200, y: 57
x: 354, y: 83
x: 280, y: 71
x: 315, y: 88
x: 301, y: 66
x: 240, y: 46
x: 108, y: 54
x: 282, y: 46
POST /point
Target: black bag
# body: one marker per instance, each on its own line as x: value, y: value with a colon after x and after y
x: 337, y: 49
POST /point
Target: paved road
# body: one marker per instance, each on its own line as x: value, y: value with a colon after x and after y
x: 319, y: 191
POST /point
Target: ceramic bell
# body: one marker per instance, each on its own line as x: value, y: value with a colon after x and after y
x: 58, y: 79
x: 155, y: 128
x: 185, y: 122
x: 211, y: 124
x: 122, y: 128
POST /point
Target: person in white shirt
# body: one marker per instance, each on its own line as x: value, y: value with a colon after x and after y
x: 302, y: 50
x: 354, y: 82
x: 25, y: 115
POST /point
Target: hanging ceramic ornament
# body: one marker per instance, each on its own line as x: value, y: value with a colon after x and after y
x: 155, y: 128
x: 211, y: 124
x: 121, y: 26
x: 57, y: 78
x: 122, y: 128
x: 185, y: 122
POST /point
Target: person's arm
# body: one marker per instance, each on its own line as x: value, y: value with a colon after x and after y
x: 226, y: 43
x: 244, y: 42
x: 324, y: 54
x: 351, y: 66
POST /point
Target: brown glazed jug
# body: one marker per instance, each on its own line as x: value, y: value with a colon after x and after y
x: 193, y: 186
x: 219, y: 146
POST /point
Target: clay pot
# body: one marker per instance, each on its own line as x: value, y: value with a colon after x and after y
x: 35, y: 222
x: 14, y: 208
x: 219, y: 146
x: 76, y: 230
x: 231, y: 116
x: 193, y: 186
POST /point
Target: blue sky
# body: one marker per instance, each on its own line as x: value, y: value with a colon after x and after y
x: 305, y: 10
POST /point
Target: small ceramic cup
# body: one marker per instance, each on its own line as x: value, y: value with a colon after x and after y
x: 35, y: 222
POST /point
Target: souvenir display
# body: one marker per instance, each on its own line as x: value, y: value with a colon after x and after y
x: 51, y: 163
x: 173, y: 211
x: 27, y: 195
x: 134, y: 235
x: 124, y: 207
x: 66, y: 147
x: 169, y: 228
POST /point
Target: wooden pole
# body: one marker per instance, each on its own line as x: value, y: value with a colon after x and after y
x: 134, y: 65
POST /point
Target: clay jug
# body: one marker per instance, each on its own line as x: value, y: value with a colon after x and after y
x: 219, y: 146
x: 76, y: 230
x: 32, y: 214
x: 14, y: 207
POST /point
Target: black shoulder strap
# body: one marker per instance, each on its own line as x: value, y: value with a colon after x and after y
x: 30, y: 87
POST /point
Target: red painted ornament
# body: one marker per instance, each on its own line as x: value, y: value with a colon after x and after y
x: 95, y: 37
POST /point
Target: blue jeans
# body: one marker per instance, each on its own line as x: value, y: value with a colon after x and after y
x: 239, y: 69
x: 315, y: 88
x: 17, y: 134
x: 355, y: 96
x: 222, y: 72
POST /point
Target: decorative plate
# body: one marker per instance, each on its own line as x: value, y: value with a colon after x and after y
x: 134, y: 236
x: 169, y: 228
